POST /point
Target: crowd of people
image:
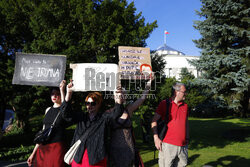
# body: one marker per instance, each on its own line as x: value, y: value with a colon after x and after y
x: 108, y: 133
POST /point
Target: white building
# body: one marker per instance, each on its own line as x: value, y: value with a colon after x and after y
x: 176, y: 60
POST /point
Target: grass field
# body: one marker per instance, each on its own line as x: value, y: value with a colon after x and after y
x: 216, y: 142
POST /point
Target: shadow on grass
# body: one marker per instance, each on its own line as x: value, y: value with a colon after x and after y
x: 203, y: 133
x: 192, y: 158
x: 214, y: 132
x: 151, y: 162
x: 229, y: 161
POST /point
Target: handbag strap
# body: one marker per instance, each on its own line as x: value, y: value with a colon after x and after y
x: 52, y: 125
x: 167, y: 111
x: 87, y: 132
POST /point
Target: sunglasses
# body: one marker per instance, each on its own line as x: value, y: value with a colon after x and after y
x: 90, y: 103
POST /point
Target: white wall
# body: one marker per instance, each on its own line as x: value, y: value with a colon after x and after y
x: 176, y: 62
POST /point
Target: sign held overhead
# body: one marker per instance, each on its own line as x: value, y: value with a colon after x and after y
x: 95, y: 76
x: 132, y: 60
x: 39, y: 69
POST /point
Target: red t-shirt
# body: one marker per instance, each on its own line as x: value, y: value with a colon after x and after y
x: 177, y: 125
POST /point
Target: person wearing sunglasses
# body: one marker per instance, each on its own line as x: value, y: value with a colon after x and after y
x: 51, y: 153
x: 93, y: 149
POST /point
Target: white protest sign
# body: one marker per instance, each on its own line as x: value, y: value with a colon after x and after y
x: 132, y: 61
x: 95, y: 76
x: 39, y: 69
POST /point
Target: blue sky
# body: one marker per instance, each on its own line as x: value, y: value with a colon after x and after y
x: 175, y: 16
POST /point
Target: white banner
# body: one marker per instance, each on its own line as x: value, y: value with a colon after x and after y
x: 95, y: 76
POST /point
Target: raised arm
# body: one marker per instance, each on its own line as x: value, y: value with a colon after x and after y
x: 62, y: 90
x: 134, y: 106
x: 67, y: 113
x: 69, y: 91
x: 118, y: 109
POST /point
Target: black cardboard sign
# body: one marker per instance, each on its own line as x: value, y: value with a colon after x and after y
x: 39, y: 69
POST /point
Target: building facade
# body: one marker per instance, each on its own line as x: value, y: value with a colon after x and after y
x: 175, y: 61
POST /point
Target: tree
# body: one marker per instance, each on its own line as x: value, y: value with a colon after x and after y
x: 87, y: 31
x: 195, y: 95
x: 225, y: 51
x: 14, y: 32
x: 186, y: 75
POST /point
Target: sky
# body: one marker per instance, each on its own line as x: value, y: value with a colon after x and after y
x: 175, y: 16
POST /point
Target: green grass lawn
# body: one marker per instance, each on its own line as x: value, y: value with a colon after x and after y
x: 216, y: 142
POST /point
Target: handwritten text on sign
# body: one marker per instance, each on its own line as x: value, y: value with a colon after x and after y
x: 130, y: 60
x: 95, y: 76
x: 39, y: 69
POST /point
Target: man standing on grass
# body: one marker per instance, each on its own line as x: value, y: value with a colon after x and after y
x: 173, y: 149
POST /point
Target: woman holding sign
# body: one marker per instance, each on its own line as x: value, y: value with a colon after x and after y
x: 51, y: 153
x: 91, y: 128
x: 122, y: 148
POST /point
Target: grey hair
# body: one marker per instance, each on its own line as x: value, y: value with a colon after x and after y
x: 177, y: 87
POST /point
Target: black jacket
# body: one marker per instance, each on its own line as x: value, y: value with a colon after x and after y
x: 96, y: 142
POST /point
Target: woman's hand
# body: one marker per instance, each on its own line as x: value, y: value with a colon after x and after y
x: 118, y: 95
x: 70, y: 86
x: 62, y: 89
x: 62, y: 85
x: 69, y: 91
x: 31, y: 157
x: 148, y: 84
x: 30, y: 160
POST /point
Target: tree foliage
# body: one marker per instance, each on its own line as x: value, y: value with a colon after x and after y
x: 195, y: 95
x: 225, y: 48
x: 86, y: 31
x: 14, y: 32
x: 185, y: 75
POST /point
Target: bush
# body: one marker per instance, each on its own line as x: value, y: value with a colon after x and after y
x: 210, y: 109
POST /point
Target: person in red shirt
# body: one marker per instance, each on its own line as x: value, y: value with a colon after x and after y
x: 173, y: 148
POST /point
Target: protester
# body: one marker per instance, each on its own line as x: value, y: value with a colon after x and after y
x: 173, y: 150
x: 122, y: 147
x: 92, y: 151
x: 51, y: 153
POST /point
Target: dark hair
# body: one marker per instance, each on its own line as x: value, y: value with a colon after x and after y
x: 54, y: 89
